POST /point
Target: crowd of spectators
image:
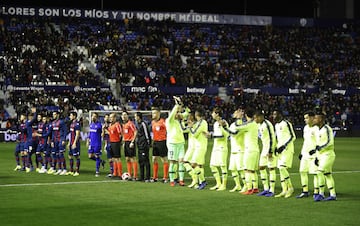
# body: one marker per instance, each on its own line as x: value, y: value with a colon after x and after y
x: 134, y: 52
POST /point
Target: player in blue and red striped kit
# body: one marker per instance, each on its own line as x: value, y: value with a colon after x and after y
x: 94, y: 143
x: 42, y: 147
x: 58, y: 138
x: 21, y: 137
x: 31, y: 141
x: 74, y: 145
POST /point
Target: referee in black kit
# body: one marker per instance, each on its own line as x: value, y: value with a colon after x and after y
x: 143, y: 141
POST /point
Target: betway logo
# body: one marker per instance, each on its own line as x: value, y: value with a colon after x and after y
x: 195, y: 90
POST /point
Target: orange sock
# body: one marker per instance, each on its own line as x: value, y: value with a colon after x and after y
x: 128, y: 167
x: 119, y: 166
x: 166, y: 170
x: 135, y: 168
x: 155, y: 170
x: 115, y: 168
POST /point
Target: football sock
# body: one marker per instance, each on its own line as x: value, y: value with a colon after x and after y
x: 181, y: 171
x: 304, y: 181
x: 216, y: 175
x: 272, y: 178
x: 264, y: 179
x: 330, y: 183
x: 135, y: 168
x: 128, y: 167
x: 165, y: 170
x: 155, y: 170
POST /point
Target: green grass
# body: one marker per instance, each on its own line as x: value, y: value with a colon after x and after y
x: 47, y: 200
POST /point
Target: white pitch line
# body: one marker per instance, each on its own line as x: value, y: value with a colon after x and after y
x: 117, y: 181
x: 60, y: 183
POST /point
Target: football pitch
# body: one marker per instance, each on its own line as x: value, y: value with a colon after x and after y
x: 41, y: 199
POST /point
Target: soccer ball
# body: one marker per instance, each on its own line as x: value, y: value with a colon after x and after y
x: 125, y: 176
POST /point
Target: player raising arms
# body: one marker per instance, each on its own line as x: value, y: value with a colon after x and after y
x: 175, y: 142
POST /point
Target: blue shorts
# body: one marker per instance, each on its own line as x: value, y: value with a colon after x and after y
x: 94, y: 150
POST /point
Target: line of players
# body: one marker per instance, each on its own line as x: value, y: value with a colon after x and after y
x: 47, y: 140
x: 248, y: 157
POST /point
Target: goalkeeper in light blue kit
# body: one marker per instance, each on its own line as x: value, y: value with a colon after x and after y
x: 285, y: 136
x: 325, y: 158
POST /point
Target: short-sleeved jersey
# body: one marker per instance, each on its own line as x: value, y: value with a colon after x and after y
x: 115, y: 132
x: 58, y: 130
x: 158, y: 129
x: 129, y: 130
x: 74, y: 126
x: 43, y: 129
x: 95, y: 134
